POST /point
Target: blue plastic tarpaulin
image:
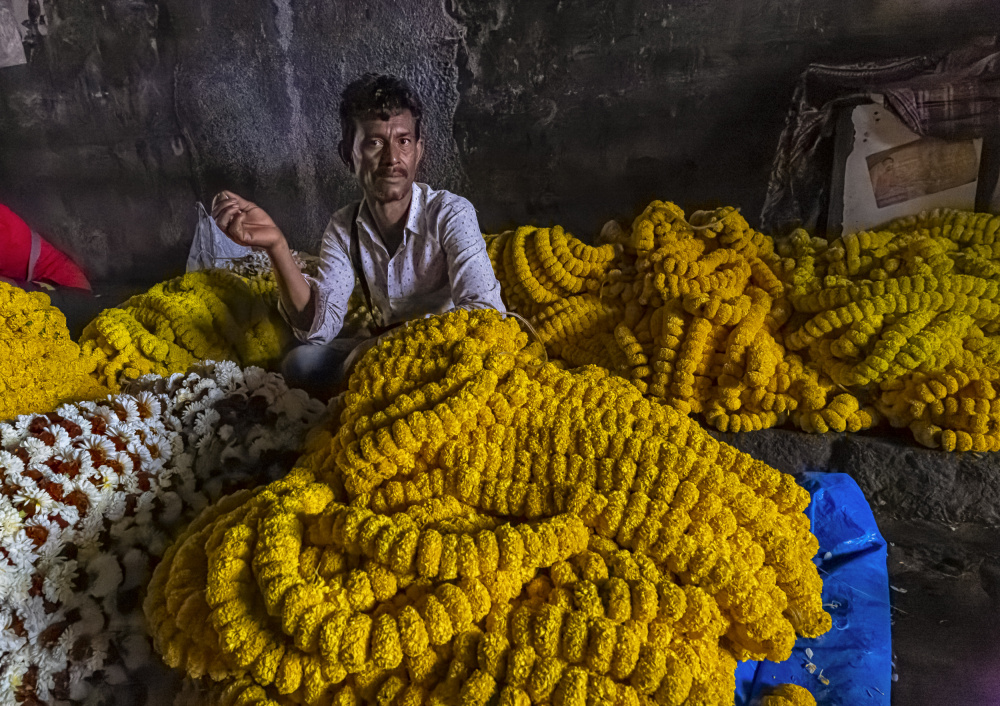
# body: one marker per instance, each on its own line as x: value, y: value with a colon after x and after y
x: 856, y: 654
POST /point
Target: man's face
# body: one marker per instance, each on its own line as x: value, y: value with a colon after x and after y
x: 386, y: 154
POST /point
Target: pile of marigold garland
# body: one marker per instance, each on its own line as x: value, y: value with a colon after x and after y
x: 206, y: 315
x: 40, y: 366
x: 704, y: 314
x: 217, y: 314
x: 483, y: 527
x: 908, y: 316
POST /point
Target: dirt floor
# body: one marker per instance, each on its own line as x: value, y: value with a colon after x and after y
x: 945, y: 582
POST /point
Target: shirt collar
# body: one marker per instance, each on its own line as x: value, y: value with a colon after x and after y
x: 413, y: 219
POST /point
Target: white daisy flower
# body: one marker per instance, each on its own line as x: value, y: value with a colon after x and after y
x: 72, y: 413
x: 149, y: 405
x: 117, y: 506
x: 228, y: 374
x: 60, y: 575
x: 87, y: 547
x: 254, y: 377
x: 9, y: 436
x: 79, y: 689
x: 100, y: 444
x: 66, y: 639
x: 70, y: 456
x: 145, y: 457
x: 62, y: 438
x: 38, y: 450
x: 130, y: 408
x: 14, y: 583
x: 92, y: 524
x: 33, y: 496
x: 42, y: 521
x: 10, y: 463
x: 10, y: 645
x: 54, y: 543
x: 21, y: 549
x: 10, y: 521
x: 45, y: 680
x: 32, y: 612
x: 98, y: 654
x: 269, y: 392
x: 107, y: 413
x: 144, y: 504
x: 123, y: 432
x: 206, y: 421
x: 69, y: 513
x: 13, y: 674
x: 22, y: 423
x: 126, y: 463
x: 108, y: 479
x: 129, y: 483
x: 164, y: 447
x: 104, y: 575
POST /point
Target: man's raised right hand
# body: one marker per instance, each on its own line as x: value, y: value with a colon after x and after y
x: 244, y: 222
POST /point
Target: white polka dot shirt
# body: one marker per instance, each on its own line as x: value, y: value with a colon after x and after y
x: 440, y: 264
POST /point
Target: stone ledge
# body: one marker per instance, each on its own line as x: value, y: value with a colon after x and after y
x: 899, y: 478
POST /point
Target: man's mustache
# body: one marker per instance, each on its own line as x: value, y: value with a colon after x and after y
x: 391, y: 172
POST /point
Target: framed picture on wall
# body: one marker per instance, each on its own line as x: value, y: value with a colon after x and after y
x: 883, y: 170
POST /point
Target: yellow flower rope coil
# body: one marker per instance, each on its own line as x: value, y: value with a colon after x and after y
x: 706, y: 315
x: 40, y: 366
x: 480, y: 526
x: 205, y: 315
x: 909, y: 315
x: 691, y: 312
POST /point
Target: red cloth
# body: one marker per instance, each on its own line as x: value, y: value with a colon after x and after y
x: 15, y: 250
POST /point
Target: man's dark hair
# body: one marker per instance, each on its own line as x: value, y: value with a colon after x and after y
x: 375, y: 95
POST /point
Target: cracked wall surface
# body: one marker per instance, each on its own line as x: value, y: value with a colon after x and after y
x: 557, y: 111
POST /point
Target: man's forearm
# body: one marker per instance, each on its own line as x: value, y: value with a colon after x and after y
x: 293, y: 289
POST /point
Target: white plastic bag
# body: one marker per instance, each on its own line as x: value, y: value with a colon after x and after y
x: 211, y: 247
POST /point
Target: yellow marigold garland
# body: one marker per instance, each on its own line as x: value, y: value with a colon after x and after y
x: 481, y: 526
x: 704, y: 314
x: 40, y: 366
x: 205, y: 315
x: 908, y: 316
x: 689, y: 310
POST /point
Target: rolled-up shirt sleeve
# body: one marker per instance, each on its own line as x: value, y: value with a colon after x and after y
x: 331, y: 291
x: 473, y: 283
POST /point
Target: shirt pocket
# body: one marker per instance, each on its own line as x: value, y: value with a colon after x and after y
x: 429, y: 272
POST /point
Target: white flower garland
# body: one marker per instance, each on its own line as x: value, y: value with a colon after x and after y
x: 89, y: 496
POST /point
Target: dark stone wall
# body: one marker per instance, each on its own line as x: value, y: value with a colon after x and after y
x: 555, y: 111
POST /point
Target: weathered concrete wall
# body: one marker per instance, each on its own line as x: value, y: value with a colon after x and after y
x: 603, y: 106
x: 134, y: 109
x: 556, y: 111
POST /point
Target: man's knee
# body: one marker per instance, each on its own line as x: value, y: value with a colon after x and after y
x: 315, y: 369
